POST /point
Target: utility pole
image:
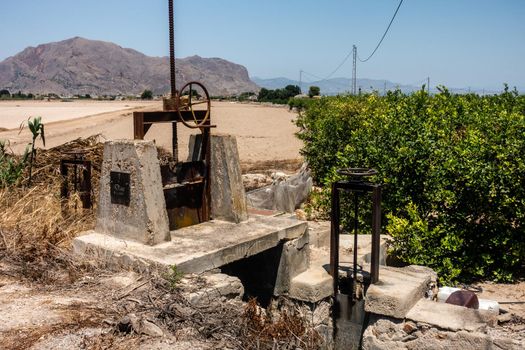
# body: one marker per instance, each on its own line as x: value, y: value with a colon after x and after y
x: 428, y: 85
x: 301, y: 80
x: 384, y: 88
x: 354, y: 71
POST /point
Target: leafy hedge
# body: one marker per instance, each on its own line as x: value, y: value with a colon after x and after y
x: 453, y: 167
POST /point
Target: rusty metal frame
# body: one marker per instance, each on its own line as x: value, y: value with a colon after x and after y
x: 142, y: 122
x: 84, y: 182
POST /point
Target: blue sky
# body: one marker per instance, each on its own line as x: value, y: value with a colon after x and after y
x: 459, y: 43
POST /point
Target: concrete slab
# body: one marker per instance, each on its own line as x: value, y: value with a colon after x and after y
x: 398, y: 290
x: 451, y: 317
x: 194, y: 249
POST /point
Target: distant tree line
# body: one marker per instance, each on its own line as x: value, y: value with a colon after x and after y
x: 279, y: 96
x: 5, y: 94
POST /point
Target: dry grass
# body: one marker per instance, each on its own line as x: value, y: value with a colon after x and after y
x: 288, y: 330
x: 35, y: 224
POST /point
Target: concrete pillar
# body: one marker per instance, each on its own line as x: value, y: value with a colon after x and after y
x: 228, y: 198
x: 131, y: 199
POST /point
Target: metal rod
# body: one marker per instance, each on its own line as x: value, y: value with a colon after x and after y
x: 356, y: 224
x: 172, y: 49
x: 334, y: 241
x: 376, y: 234
x: 174, y: 142
x: 334, y: 253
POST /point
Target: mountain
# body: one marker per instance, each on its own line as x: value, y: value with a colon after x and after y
x: 274, y: 83
x: 82, y: 66
x: 336, y: 86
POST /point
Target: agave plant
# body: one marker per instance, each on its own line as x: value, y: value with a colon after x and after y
x: 37, y: 129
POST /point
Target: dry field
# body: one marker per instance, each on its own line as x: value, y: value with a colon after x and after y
x: 265, y: 134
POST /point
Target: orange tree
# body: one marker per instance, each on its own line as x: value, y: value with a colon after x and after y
x: 453, y: 167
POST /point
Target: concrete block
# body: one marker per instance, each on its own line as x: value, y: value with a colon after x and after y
x: 319, y: 233
x: 312, y: 285
x: 294, y: 260
x: 144, y: 219
x: 451, y: 317
x: 228, y: 199
x: 397, y: 291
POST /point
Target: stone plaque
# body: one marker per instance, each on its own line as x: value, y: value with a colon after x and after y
x: 119, y: 187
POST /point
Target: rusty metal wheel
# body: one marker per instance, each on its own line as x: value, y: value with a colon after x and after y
x: 188, y: 98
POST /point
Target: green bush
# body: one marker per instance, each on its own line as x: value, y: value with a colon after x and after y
x: 146, y: 95
x: 453, y: 167
x: 300, y: 103
x: 11, y: 166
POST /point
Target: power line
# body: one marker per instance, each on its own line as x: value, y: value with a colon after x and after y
x: 320, y: 79
x: 334, y: 71
x: 384, y: 35
x: 355, y: 54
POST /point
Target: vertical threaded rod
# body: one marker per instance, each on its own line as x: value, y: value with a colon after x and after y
x: 172, y: 49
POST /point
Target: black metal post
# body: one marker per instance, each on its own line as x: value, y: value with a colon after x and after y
x: 356, y: 224
x: 334, y: 254
x: 376, y: 234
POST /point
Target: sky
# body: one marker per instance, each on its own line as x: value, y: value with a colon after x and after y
x: 457, y: 43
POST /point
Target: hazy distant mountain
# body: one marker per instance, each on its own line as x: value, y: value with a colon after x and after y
x: 82, y: 66
x: 336, y: 86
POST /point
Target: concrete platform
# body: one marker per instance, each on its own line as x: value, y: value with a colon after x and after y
x: 194, y: 249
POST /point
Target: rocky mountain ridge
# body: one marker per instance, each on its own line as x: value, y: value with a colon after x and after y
x: 82, y: 66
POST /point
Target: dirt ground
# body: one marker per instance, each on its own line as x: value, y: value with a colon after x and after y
x: 12, y: 113
x: 264, y: 133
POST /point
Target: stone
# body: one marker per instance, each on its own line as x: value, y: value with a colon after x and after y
x: 321, y: 314
x: 144, y: 219
x: 451, y: 317
x: 384, y: 333
x: 228, y: 199
x: 217, y: 287
x: 133, y: 323
x: 506, y: 317
x: 149, y: 328
x: 254, y: 181
x: 409, y: 327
